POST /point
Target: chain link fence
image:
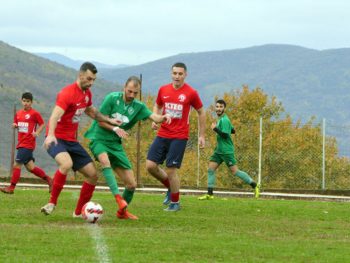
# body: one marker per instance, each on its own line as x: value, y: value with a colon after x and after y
x: 279, y: 154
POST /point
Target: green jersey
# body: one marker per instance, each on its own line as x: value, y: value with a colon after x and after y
x: 114, y: 107
x: 224, y: 145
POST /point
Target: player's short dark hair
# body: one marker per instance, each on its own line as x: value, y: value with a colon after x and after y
x: 27, y: 96
x: 134, y: 79
x: 179, y: 65
x: 88, y: 66
x: 222, y: 102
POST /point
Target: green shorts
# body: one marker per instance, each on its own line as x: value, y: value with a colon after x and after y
x: 229, y: 159
x: 115, y: 152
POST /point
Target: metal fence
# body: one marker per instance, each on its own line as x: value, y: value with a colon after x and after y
x: 279, y: 155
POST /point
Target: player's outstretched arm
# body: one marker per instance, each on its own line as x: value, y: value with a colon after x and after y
x: 56, y: 114
x: 93, y: 113
x: 202, y: 123
x: 160, y: 118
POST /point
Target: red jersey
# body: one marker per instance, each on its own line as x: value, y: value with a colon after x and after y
x: 73, y: 101
x: 27, y: 122
x: 177, y: 103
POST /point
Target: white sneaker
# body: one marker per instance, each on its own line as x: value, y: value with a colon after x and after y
x: 77, y: 216
x: 48, y: 208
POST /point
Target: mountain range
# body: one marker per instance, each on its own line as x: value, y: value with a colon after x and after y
x: 73, y: 63
x: 308, y: 82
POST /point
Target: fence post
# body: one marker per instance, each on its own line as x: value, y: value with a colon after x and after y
x: 13, y: 143
x: 324, y: 154
x: 138, y: 145
x: 260, y: 151
x: 198, y: 154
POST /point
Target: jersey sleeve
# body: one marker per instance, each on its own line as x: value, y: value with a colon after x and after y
x: 105, y: 107
x: 63, y: 100
x: 196, y: 101
x: 144, y: 113
x: 39, y: 118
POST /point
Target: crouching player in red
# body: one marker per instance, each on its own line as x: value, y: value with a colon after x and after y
x: 61, y: 142
x: 106, y: 140
x: 26, y: 121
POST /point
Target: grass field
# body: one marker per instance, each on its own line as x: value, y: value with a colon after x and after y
x: 232, y: 230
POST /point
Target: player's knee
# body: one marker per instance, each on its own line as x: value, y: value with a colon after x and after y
x: 151, y: 166
x: 65, y: 167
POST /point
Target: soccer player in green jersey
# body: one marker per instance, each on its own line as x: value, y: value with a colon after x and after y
x: 225, y: 152
x: 106, y: 140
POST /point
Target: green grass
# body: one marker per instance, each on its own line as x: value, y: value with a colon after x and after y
x: 232, y: 230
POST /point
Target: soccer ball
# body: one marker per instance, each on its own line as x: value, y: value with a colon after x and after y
x: 92, y: 212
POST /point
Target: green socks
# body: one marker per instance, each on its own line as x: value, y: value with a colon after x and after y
x: 110, y: 180
x: 211, y: 178
x: 244, y: 176
x: 128, y: 194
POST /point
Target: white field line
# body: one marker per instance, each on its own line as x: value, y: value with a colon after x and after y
x: 193, y: 191
x: 101, y: 247
x: 96, y: 234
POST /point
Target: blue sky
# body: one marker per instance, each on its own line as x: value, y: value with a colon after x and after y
x: 136, y: 32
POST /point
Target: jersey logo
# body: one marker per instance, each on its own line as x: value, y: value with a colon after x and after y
x: 86, y: 99
x: 27, y: 116
x: 182, y: 97
x: 165, y: 97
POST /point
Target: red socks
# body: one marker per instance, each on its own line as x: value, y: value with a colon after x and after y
x: 16, y: 174
x: 39, y: 172
x: 85, y: 196
x: 166, y: 183
x: 59, y: 180
x: 175, y: 197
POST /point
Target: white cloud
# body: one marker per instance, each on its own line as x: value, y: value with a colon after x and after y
x: 136, y: 31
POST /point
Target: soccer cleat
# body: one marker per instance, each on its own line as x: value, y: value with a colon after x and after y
x: 77, y: 216
x: 49, y: 182
x: 48, y: 208
x: 167, y: 199
x: 173, y: 207
x: 206, y: 197
x: 257, y: 191
x: 125, y: 214
x: 7, y: 190
x: 122, y: 204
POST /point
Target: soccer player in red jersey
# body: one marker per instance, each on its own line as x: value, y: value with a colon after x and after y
x: 175, y: 99
x: 61, y: 142
x: 26, y: 121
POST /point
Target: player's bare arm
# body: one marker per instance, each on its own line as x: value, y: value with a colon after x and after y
x: 156, y: 110
x: 56, y: 114
x: 94, y: 113
x: 157, y: 118
x: 202, y: 122
x: 39, y: 130
x: 119, y: 131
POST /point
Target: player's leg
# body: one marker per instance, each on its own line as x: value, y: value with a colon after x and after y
x: 213, y: 165
x: 156, y: 155
x: 103, y: 153
x: 16, y: 174
x: 88, y: 187
x: 37, y: 171
x: 65, y: 163
x: 62, y: 155
x: 128, y: 178
x: 246, y: 178
x: 174, y: 159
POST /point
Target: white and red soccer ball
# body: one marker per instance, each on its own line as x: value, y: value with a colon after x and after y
x: 92, y: 212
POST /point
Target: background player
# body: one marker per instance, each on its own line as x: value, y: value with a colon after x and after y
x: 26, y: 121
x: 224, y: 152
